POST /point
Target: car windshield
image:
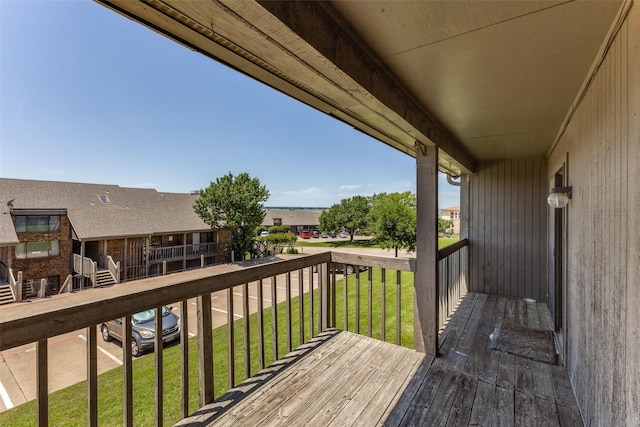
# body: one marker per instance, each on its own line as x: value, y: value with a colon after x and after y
x: 148, y: 315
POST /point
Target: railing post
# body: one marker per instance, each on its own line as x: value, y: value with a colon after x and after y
x: 164, y: 268
x: 426, y: 275
x: 94, y: 273
x: 42, y: 292
x: 19, y: 287
x: 42, y: 383
x: 201, y: 261
x: 325, y: 309
x: 118, y: 272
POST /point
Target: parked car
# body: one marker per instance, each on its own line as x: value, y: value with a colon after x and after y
x: 339, y: 268
x: 315, y: 234
x: 264, y: 233
x: 305, y: 234
x: 324, y: 235
x: 143, y: 329
x: 343, y: 235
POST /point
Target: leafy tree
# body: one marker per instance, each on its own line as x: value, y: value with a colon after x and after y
x: 280, y: 229
x: 392, y: 220
x: 349, y: 215
x: 276, y: 241
x: 236, y: 203
x: 444, y: 225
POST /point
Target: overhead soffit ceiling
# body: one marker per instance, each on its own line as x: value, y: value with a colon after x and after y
x: 494, y: 78
x: 500, y: 76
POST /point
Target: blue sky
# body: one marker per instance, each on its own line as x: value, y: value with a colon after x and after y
x: 89, y: 96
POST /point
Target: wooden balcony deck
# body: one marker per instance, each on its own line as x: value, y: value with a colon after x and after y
x: 343, y: 379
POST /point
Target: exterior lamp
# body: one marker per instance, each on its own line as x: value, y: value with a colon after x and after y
x: 559, y: 197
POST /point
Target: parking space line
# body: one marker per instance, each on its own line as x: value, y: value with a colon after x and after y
x: 103, y: 351
x: 5, y: 397
x: 226, y: 312
x: 251, y: 296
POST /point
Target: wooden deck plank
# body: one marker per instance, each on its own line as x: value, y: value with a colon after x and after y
x: 504, y: 407
x: 313, y: 396
x: 483, y: 404
x: 367, y: 406
x: 526, y: 412
x: 463, y: 401
x: 348, y: 379
x: 398, y: 412
x: 547, y: 413
x: 542, y: 384
x: 332, y: 402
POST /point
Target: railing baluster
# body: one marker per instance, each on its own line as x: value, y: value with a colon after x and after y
x: 247, y: 337
x: 370, y: 299
x: 346, y: 297
x: 288, y: 309
x: 260, y: 325
x: 42, y: 382
x: 311, y: 302
x: 398, y: 303
x: 92, y: 376
x: 383, y: 308
x: 358, y: 300
x: 159, y: 380
x: 274, y: 318
x: 231, y: 356
x: 184, y: 358
x: 205, y: 349
x: 301, y: 304
x: 332, y: 292
x: 127, y: 371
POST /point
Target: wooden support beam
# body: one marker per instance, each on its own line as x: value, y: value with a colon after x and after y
x: 426, y: 275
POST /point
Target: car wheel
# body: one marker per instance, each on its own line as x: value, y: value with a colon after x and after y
x: 105, y: 333
x: 135, y: 348
x: 350, y: 269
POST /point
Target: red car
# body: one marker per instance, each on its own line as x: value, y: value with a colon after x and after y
x: 315, y: 234
x: 305, y: 234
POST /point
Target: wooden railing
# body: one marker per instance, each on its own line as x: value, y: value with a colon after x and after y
x: 86, y: 266
x: 177, y: 253
x: 14, y: 284
x: 114, y: 268
x: 453, y: 261
x: 328, y: 295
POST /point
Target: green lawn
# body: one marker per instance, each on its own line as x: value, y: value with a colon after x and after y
x: 68, y: 407
x: 442, y: 242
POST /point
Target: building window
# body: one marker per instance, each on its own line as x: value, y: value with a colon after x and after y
x: 37, y: 249
x: 104, y: 198
x: 37, y: 223
x: 277, y: 221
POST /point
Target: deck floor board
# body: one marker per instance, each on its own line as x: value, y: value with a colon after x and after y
x: 344, y: 379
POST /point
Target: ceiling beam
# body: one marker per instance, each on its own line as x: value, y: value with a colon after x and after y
x: 322, y: 27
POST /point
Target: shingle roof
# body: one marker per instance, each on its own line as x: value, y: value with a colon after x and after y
x: 129, y: 212
x: 292, y: 216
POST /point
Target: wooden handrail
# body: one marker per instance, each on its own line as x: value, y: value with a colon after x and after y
x: 452, y: 248
x: 24, y: 324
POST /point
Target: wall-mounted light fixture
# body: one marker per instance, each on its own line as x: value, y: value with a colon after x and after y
x: 559, y: 197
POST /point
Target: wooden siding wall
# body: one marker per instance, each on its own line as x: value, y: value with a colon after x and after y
x: 602, y: 144
x: 507, y: 228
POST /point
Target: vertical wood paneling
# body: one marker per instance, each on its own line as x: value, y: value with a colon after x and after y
x: 508, y: 228
x: 603, y: 228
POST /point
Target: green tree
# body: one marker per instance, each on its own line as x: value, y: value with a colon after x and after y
x: 236, y: 203
x: 349, y: 215
x: 392, y: 220
x: 444, y: 225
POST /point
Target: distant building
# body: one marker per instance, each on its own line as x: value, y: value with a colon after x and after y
x: 452, y: 214
x: 297, y: 219
x: 55, y: 234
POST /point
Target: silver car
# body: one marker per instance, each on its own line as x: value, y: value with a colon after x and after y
x: 143, y: 329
